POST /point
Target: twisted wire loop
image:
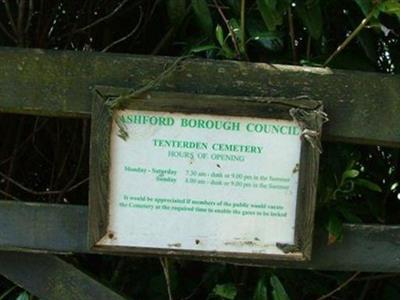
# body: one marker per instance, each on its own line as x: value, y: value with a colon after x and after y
x: 310, y: 122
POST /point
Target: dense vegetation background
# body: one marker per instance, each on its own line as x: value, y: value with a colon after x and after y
x: 357, y: 184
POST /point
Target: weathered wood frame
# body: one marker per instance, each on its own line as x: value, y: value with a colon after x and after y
x: 268, y: 108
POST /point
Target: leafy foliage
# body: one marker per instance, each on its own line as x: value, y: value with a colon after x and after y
x: 357, y: 184
x: 272, y: 13
x: 278, y: 291
x: 225, y: 291
x: 203, y: 16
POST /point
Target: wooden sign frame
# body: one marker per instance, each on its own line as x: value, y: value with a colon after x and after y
x: 307, y: 113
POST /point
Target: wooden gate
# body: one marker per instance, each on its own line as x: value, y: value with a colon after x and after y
x: 363, y: 108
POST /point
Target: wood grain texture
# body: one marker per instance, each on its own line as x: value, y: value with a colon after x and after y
x: 99, y: 170
x: 366, y: 248
x: 27, y: 225
x: 311, y: 122
x: 49, y: 277
x: 362, y: 107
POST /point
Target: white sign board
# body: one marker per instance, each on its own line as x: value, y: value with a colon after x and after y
x: 203, y: 183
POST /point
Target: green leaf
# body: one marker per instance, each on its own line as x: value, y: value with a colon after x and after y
x: 235, y: 27
x: 225, y: 50
x: 203, y: 16
x: 350, y: 174
x: 202, y: 48
x: 226, y: 291
x: 368, y: 43
x: 348, y: 215
x: 278, y: 291
x: 311, y: 16
x: 261, y: 292
x: 377, y: 208
x: 394, y: 186
x: 368, y: 185
x: 219, y: 34
x: 310, y: 63
x: 23, y: 296
x: 335, y: 229
x: 234, y: 24
x: 391, y: 7
x: 259, y: 32
x: 365, y: 5
x: 270, y: 13
x: 234, y: 5
x: 366, y: 38
x: 176, y: 10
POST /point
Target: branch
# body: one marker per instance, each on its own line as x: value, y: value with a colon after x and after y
x: 119, y: 102
x: 30, y: 15
x: 102, y: 19
x: 41, y: 193
x: 7, y: 33
x: 165, y: 267
x: 339, y: 287
x: 80, y: 159
x: 339, y: 49
x: 242, y: 40
x: 128, y: 35
x: 20, y: 19
x: 292, y: 35
x: 4, y: 193
x: 10, y: 17
x: 233, y: 35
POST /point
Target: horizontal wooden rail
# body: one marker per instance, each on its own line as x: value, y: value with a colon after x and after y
x: 362, y: 107
x: 49, y: 277
x: 56, y: 228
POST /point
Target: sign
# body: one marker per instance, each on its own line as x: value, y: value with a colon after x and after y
x: 202, y: 184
